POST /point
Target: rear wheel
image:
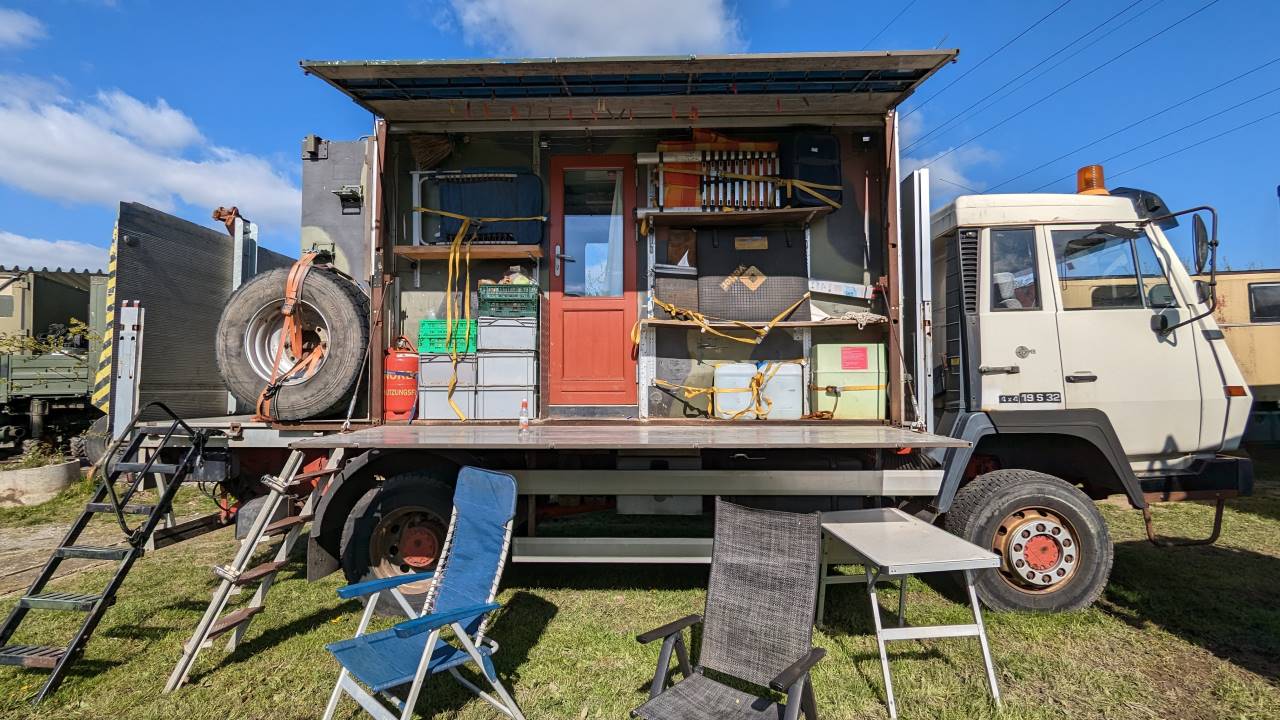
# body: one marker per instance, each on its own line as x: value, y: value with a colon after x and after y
x: 398, y: 529
x: 1055, y: 549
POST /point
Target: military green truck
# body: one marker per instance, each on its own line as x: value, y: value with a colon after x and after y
x: 46, y: 366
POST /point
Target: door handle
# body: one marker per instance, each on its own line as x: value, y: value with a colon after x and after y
x: 999, y: 370
x: 561, y: 257
x: 1083, y: 377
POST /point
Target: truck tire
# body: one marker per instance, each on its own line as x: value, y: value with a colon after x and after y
x: 332, y: 310
x: 1055, y: 547
x: 397, y: 529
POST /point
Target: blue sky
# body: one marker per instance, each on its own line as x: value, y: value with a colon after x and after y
x: 185, y: 106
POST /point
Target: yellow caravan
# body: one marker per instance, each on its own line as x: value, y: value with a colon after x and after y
x: 1248, y: 312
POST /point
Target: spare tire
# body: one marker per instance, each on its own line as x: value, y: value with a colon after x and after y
x: 332, y: 310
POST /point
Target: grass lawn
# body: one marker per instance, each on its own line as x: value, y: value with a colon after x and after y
x: 1180, y: 633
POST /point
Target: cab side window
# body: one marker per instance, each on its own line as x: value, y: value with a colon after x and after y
x: 1096, y: 270
x: 1015, y: 281
x: 1155, y: 285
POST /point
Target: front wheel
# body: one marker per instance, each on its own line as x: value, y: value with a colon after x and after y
x: 1055, y: 549
x: 398, y: 529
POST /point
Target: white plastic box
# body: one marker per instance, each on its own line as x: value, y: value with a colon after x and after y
x: 435, y: 370
x: 507, y: 333
x: 503, y: 403
x: 508, y: 368
x: 433, y: 403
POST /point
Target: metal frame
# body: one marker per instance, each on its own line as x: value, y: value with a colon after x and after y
x: 504, y: 702
x: 875, y: 571
x: 124, y: 401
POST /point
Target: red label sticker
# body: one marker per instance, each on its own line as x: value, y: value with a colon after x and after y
x: 853, y: 357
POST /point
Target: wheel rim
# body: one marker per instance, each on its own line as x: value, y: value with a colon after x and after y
x: 1039, y: 549
x: 406, y: 540
x: 265, y: 331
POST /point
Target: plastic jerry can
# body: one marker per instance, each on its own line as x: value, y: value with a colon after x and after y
x: 783, y: 390
x: 732, y: 397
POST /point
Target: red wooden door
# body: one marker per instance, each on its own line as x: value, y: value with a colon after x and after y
x: 592, y: 303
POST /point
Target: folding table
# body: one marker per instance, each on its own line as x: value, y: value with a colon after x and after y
x: 892, y: 545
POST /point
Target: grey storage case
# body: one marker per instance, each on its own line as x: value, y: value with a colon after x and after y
x: 508, y: 368
x: 433, y: 403
x: 496, y: 333
x: 436, y: 370
x: 503, y: 403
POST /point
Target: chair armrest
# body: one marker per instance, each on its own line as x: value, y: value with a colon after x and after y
x: 367, y: 587
x: 669, y: 629
x: 409, y: 628
x: 797, y: 670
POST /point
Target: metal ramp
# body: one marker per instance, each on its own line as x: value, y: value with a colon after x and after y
x: 106, y: 501
x: 241, y: 572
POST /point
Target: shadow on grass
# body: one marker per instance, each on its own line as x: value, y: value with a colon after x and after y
x: 592, y: 576
x: 1221, y: 599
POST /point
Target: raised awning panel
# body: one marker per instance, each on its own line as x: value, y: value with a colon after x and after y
x: 678, y: 90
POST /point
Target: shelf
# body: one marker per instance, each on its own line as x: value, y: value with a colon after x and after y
x: 784, y: 324
x: 697, y: 218
x: 478, y: 252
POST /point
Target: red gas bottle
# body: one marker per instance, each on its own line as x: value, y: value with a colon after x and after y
x: 399, y: 381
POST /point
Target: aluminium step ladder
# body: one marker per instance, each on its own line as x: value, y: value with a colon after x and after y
x: 106, y: 501
x: 240, y: 573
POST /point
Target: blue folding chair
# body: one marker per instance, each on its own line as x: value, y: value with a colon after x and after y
x: 461, y: 596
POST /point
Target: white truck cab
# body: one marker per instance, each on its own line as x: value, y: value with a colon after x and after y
x: 1071, y: 346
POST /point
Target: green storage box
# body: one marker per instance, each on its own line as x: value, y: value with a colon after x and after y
x: 849, y: 380
x: 433, y: 337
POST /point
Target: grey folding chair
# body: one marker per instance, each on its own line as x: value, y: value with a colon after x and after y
x: 758, y: 626
x: 461, y: 597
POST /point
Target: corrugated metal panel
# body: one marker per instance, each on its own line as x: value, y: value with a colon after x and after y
x: 181, y: 273
x: 865, y: 83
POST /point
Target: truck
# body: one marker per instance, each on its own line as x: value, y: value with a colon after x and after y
x: 1003, y: 362
x: 47, y: 369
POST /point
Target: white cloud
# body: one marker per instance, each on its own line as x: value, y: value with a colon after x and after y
x: 158, y: 126
x: 951, y: 170
x: 19, y: 251
x: 566, y: 28
x: 18, y: 29
x: 116, y: 147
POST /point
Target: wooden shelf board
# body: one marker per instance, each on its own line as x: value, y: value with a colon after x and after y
x: 784, y: 324
x: 695, y: 218
x: 478, y: 252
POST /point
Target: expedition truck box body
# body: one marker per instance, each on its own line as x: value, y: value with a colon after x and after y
x: 989, y: 420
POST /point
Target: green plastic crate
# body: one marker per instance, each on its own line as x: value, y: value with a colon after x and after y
x: 508, y: 308
x: 433, y: 336
x: 525, y: 293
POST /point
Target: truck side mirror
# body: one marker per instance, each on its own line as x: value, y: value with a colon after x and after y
x: 1163, y: 320
x: 1200, y: 236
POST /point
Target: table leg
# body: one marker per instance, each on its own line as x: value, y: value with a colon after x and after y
x: 884, y: 656
x: 982, y: 637
x: 902, y: 602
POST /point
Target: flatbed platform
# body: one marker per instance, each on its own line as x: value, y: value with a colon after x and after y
x: 631, y: 435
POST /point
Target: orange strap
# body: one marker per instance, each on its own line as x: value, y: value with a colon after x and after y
x: 292, y: 338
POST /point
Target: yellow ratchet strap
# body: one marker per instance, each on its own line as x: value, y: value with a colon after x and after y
x: 460, y: 253
x: 705, y: 322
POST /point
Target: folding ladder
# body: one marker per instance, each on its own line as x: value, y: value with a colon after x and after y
x: 106, y: 501
x: 240, y: 573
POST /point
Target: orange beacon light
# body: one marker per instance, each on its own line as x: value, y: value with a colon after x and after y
x: 1090, y: 181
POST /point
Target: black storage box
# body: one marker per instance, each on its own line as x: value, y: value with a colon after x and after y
x: 676, y: 285
x: 752, y: 274
x: 812, y: 157
x: 518, y: 195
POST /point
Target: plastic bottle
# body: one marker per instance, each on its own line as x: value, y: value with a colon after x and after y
x: 524, y: 415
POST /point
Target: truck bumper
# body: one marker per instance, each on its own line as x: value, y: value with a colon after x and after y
x: 1221, y: 476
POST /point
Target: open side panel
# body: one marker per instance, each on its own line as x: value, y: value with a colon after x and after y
x: 917, y: 297
x: 181, y: 274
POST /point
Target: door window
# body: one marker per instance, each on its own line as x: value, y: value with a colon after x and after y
x: 593, y: 231
x: 1264, y: 302
x: 1015, y: 283
x: 1155, y: 285
x: 1096, y: 270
